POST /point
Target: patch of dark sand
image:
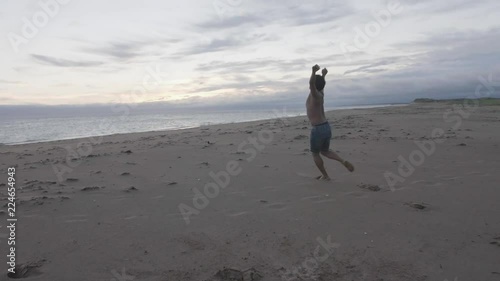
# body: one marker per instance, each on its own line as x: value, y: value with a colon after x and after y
x: 91, y: 188
x: 230, y: 274
x: 371, y: 187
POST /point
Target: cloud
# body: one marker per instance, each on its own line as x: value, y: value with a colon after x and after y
x: 285, y: 13
x: 230, y: 22
x: 2, y: 81
x: 228, y: 42
x: 443, y: 65
x: 308, y: 13
x: 63, y: 62
x: 254, y: 65
x: 370, y: 67
x: 122, y: 50
x: 129, y: 49
x: 431, y: 6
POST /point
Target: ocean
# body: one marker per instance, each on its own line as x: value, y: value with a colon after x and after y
x: 22, y: 128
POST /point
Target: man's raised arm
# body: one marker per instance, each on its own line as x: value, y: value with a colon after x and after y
x: 312, y: 81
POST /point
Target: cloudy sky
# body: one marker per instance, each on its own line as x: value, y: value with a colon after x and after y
x: 244, y: 51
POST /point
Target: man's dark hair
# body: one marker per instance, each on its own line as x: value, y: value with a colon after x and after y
x: 320, y: 82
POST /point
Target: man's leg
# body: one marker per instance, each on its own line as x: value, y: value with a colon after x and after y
x: 319, y: 163
x: 334, y: 156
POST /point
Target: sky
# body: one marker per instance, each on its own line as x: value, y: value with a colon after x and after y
x: 244, y: 52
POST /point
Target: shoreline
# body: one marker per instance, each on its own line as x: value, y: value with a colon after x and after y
x: 360, y: 107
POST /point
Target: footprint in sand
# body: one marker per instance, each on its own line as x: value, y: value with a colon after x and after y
x: 418, y: 206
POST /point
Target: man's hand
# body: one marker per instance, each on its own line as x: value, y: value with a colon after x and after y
x: 325, y: 72
x: 315, y: 68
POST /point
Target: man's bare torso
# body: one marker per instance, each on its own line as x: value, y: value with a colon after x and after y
x: 315, y: 109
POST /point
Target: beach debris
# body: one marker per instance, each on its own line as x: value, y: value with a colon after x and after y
x: 462, y: 144
x: 127, y: 151
x: 204, y: 163
x: 71, y: 179
x: 125, y: 174
x: 300, y: 137
x: 371, y: 187
x: 91, y: 188
x: 172, y: 183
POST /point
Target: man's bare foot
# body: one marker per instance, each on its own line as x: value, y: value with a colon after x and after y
x: 323, y: 178
x: 348, y: 166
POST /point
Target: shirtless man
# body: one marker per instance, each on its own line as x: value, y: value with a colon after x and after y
x: 321, y: 132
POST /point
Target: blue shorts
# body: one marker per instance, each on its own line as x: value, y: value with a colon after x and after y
x: 320, y: 138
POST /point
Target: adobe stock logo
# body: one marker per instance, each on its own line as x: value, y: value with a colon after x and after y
x: 31, y: 27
